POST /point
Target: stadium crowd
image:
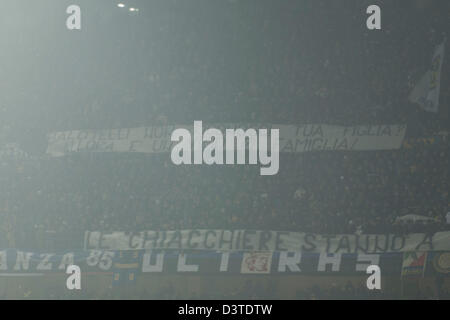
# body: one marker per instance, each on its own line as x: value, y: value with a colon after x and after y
x: 260, y: 71
x: 248, y: 290
x: 319, y: 192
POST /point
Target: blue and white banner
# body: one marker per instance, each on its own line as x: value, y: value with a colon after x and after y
x: 125, y: 266
x: 20, y: 262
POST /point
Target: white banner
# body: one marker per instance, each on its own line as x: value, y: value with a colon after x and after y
x: 293, y: 138
x: 12, y: 150
x: 252, y: 240
x: 426, y: 92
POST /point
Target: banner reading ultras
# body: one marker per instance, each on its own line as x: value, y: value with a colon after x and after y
x: 293, y: 138
x: 93, y: 262
x: 252, y: 240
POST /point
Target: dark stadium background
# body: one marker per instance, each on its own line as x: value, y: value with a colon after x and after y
x: 227, y: 61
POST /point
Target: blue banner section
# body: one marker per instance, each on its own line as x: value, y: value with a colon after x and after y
x: 126, y: 265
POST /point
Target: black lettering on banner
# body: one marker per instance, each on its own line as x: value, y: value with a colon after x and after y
x: 104, y: 146
x: 76, y: 145
x: 325, y: 145
x: 124, y: 133
x: 298, y: 145
x: 319, y: 130
x: 133, y: 145
x: 279, y: 242
x: 176, y: 238
x: 308, y: 145
x: 158, y: 132
x: 154, y: 239
x: 100, y: 135
x: 130, y: 240
x: 342, y: 145
x: 205, y: 242
x: 386, y: 243
x: 358, y: 247
x: 427, y: 240
x: 148, y: 132
x: 158, y: 147
x: 112, y: 134
x: 328, y: 238
x: 344, y: 243
x: 319, y: 147
x: 223, y: 241
x: 246, y: 239
x: 346, y: 129
x: 352, y: 147
x: 394, y: 242
x: 82, y: 135
x: 265, y: 236
x: 100, y: 239
x: 189, y: 241
x: 87, y: 240
x: 312, y: 246
x: 91, y: 145
x: 386, y: 131
x: 309, y: 132
x: 68, y: 147
x: 163, y: 239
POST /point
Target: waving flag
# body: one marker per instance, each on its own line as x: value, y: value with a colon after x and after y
x: 426, y: 92
x: 414, y: 263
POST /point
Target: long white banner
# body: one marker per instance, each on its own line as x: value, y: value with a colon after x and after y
x: 252, y: 240
x: 293, y: 138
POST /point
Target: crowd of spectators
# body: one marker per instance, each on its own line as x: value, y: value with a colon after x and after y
x: 319, y: 192
x: 248, y: 290
x: 246, y: 66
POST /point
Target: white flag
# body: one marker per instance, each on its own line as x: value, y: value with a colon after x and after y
x: 426, y: 92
